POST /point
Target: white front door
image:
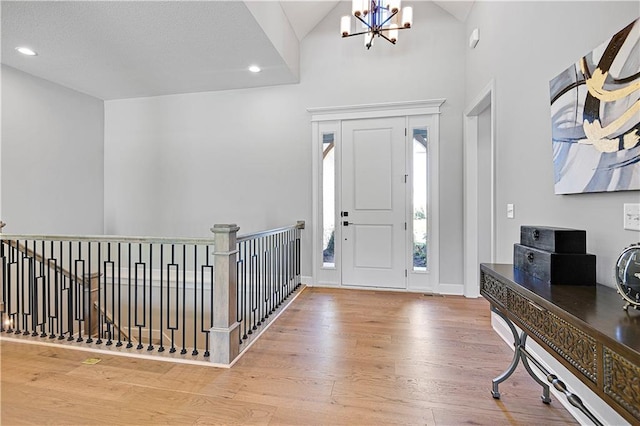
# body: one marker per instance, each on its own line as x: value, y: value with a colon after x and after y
x: 373, y: 200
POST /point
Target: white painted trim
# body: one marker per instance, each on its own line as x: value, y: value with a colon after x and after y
x: 485, y: 99
x: 388, y: 109
x: 316, y: 228
x: 596, y: 405
x: 451, y: 289
x: 306, y: 280
x: 118, y: 351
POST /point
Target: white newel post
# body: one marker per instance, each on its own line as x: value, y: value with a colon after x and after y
x: 224, y: 344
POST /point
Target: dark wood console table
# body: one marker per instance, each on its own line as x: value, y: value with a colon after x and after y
x: 584, y: 328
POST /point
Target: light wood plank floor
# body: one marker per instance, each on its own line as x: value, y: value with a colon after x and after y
x: 334, y: 357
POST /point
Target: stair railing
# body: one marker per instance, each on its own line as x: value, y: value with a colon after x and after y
x: 163, y: 296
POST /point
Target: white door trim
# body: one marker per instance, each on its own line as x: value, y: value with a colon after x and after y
x: 388, y: 109
x: 485, y: 99
x: 337, y: 115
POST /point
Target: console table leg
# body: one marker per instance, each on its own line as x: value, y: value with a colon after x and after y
x: 545, y: 387
x: 516, y: 355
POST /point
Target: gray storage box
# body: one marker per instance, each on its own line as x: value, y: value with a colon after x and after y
x: 556, y: 268
x: 555, y: 240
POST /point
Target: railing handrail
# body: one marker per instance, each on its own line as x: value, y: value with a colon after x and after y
x: 57, y: 303
x: 260, y: 234
x: 139, y: 239
x: 107, y: 239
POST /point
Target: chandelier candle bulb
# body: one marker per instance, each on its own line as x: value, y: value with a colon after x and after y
x: 366, y: 7
x: 356, y: 7
x: 393, y: 6
x: 407, y: 17
x: 345, y: 26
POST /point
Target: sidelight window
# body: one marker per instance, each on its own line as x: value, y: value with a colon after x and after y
x: 328, y: 200
x: 419, y: 198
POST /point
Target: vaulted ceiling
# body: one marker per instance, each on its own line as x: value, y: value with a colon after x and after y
x: 125, y: 49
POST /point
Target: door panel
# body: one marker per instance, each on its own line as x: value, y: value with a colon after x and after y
x: 373, y: 246
x: 373, y: 196
x: 372, y: 171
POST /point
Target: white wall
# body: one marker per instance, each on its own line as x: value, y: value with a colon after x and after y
x: 175, y: 165
x: 522, y: 46
x: 52, y: 157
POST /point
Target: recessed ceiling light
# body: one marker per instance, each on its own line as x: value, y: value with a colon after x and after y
x: 26, y: 51
x: 254, y: 68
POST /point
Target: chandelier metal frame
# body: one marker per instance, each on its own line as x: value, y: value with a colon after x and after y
x: 376, y: 23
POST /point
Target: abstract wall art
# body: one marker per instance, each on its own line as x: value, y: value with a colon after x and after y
x: 595, y: 118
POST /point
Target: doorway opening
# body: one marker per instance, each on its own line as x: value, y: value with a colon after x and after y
x: 479, y: 187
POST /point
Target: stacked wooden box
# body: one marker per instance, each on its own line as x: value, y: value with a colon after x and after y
x: 555, y: 255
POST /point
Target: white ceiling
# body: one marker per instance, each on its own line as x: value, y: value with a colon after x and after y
x: 126, y: 49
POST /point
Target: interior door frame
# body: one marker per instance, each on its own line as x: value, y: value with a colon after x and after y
x: 484, y: 100
x: 332, y: 117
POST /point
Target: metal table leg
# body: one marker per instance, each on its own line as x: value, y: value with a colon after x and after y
x: 545, y: 387
x: 516, y: 355
x: 521, y: 353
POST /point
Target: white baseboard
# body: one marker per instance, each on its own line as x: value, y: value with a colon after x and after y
x: 451, y: 289
x: 597, y: 406
x: 444, y: 289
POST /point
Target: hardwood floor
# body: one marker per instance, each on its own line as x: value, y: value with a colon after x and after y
x: 334, y: 357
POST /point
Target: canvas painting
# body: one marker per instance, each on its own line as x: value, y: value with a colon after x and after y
x: 595, y: 118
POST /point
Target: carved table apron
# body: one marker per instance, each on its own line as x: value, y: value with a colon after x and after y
x: 583, y: 327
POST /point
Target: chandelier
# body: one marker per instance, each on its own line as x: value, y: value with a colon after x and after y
x: 378, y: 18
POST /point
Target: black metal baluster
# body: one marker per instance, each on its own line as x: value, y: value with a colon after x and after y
x: 184, y: 299
x: 144, y: 297
x: 12, y: 276
x: 239, y: 292
x: 261, y: 281
x: 3, y: 286
x: 63, y: 288
x: 119, y: 343
x: 161, y: 347
x: 103, y: 311
x: 80, y: 278
x: 254, y: 284
x: 244, y: 290
x: 150, y: 347
x: 170, y: 326
x: 206, y: 327
x: 21, y: 296
x: 298, y: 271
x: 279, y: 268
x: 195, y: 300
x: 129, y: 343
x: 31, y: 302
x: 87, y: 294
x: 264, y: 280
x: 272, y: 271
x: 52, y: 268
x: 250, y: 274
x: 70, y: 312
x: 42, y: 292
